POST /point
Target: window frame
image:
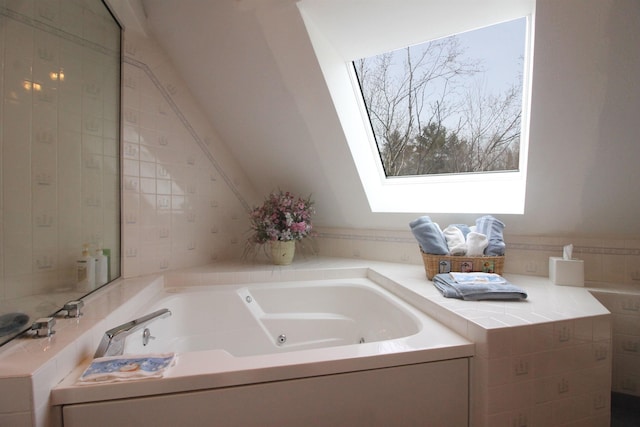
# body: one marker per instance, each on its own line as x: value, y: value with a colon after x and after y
x: 498, y: 192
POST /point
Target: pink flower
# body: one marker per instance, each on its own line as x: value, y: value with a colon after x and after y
x: 298, y: 227
x: 282, y: 216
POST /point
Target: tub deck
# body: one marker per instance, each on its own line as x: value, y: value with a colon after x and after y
x: 407, y: 336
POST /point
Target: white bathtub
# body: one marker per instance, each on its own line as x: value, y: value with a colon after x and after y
x: 275, y: 318
x: 354, y: 354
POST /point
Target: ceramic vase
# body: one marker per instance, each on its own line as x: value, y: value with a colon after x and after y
x: 282, y: 251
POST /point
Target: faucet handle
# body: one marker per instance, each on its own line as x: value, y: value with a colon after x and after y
x: 73, y: 308
x: 44, y: 327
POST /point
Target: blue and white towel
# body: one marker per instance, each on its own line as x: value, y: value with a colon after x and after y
x: 493, y: 228
x: 124, y: 368
x: 475, y: 288
x: 477, y: 278
x: 429, y: 236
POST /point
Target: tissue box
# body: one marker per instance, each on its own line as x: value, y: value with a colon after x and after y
x: 568, y: 272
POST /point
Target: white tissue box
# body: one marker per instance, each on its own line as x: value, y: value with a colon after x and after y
x: 569, y: 272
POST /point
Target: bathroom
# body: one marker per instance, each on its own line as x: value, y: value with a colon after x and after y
x: 178, y: 104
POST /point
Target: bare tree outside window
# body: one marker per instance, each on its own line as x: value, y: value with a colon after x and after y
x: 447, y: 107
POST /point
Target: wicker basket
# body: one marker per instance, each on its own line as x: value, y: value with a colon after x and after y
x: 434, y: 264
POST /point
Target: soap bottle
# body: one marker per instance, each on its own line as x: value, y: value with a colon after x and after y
x: 101, y: 267
x: 86, y: 271
x: 107, y: 253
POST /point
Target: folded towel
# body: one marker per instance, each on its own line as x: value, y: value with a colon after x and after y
x: 477, y: 278
x: 429, y: 236
x: 476, y: 243
x: 124, y: 368
x: 494, y: 229
x: 455, y: 240
x: 450, y: 288
x: 462, y: 227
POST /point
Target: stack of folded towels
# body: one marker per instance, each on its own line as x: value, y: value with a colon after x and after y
x: 477, y: 286
x: 484, y: 238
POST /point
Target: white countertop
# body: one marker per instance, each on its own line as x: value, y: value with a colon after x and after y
x: 546, y: 302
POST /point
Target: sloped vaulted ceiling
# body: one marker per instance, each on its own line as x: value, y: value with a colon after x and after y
x: 252, y: 68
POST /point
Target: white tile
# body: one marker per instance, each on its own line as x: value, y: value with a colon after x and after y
x: 592, y: 380
x: 628, y: 305
x: 563, y: 333
x: 544, y: 363
x: 16, y: 419
x: 542, y: 415
x: 571, y: 409
x: 148, y: 186
x: 500, y: 342
x: 499, y: 371
x: 130, y: 168
x: 522, y: 341
x: 147, y: 169
x: 552, y: 388
x: 67, y: 360
x: 626, y: 324
x: 42, y: 381
x: 131, y: 134
x: 509, y: 397
x: 16, y: 395
x: 48, y: 416
x: 479, y: 336
x: 602, y: 328
x: 521, y: 368
x: 518, y: 418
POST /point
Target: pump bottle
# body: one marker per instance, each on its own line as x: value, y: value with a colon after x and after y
x: 101, y: 267
x: 86, y: 271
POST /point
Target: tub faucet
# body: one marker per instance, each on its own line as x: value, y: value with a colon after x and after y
x: 112, y: 343
x: 73, y: 308
x: 44, y: 327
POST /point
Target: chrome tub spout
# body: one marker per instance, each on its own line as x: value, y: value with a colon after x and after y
x: 112, y: 343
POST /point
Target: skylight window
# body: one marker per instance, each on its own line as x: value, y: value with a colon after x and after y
x: 451, y: 105
x: 457, y: 143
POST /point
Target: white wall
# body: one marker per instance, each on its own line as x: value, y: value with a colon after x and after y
x: 584, y: 140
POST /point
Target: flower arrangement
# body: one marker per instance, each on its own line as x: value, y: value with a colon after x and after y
x: 283, y: 217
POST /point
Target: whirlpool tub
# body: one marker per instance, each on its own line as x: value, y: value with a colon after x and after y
x: 317, y: 352
x: 276, y: 318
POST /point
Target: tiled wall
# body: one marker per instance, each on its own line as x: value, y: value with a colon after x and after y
x: 184, y: 197
x: 551, y: 374
x: 625, y: 310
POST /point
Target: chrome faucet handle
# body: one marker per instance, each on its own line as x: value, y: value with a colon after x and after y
x: 73, y: 308
x: 112, y: 343
x: 44, y: 327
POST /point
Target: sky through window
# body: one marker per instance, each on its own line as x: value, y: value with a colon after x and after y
x: 451, y: 105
